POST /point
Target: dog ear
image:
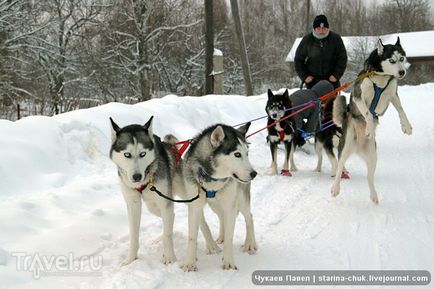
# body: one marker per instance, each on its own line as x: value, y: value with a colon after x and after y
x: 148, y: 126
x: 286, y: 94
x: 270, y: 93
x: 217, y: 136
x: 243, y: 129
x: 380, y: 47
x: 286, y: 98
x: 398, y: 42
x: 114, y: 129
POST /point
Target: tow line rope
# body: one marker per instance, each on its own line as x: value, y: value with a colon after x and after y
x: 302, y: 107
x: 154, y: 189
x: 314, y: 102
x: 185, y: 144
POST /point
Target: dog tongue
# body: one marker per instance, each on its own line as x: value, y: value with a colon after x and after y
x: 140, y: 188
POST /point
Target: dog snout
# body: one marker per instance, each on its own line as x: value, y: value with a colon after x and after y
x: 137, y: 177
x: 253, y: 174
x: 401, y: 73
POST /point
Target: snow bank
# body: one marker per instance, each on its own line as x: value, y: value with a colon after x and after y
x: 59, y: 195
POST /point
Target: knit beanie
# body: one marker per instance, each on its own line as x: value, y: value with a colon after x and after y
x: 320, y: 21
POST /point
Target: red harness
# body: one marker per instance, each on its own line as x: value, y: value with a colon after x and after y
x: 282, y: 134
x: 182, y: 150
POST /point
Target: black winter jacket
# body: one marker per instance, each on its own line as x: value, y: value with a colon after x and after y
x: 321, y: 58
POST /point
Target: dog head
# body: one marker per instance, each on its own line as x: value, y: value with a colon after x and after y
x: 132, y: 151
x: 388, y: 59
x: 276, y: 104
x: 230, y: 153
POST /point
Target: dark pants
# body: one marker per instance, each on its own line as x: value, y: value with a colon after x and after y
x: 316, y: 80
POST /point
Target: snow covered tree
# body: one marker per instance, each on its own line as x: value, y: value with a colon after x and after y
x: 139, y: 36
x: 56, y: 47
x: 11, y: 32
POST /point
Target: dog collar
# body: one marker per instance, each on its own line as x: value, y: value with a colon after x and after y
x: 204, y: 176
x: 209, y: 193
x: 140, y: 188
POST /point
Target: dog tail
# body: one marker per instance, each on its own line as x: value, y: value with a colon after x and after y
x: 172, y: 140
x: 339, y: 110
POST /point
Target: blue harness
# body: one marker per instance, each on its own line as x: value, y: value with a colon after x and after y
x: 377, y: 95
x: 322, y: 126
x: 203, y: 176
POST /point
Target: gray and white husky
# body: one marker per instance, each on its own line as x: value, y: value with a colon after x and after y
x: 369, y: 99
x: 143, y: 161
x: 217, y: 167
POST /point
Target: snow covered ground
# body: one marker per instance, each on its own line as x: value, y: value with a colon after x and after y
x: 59, y: 200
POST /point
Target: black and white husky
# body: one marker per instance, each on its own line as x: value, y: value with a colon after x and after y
x: 280, y: 105
x: 217, y: 167
x: 144, y: 161
x: 369, y: 99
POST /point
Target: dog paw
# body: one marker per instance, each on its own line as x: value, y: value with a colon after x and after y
x: 220, y: 240
x: 189, y: 267
x: 250, y: 247
x: 407, y: 129
x: 294, y: 168
x: 374, y: 198
x: 316, y: 170
x: 370, y: 129
x: 335, y: 190
x: 212, y: 249
x: 229, y: 266
x: 370, y: 133
x: 166, y: 260
x: 128, y: 261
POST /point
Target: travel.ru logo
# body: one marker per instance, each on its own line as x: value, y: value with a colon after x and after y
x: 58, y: 265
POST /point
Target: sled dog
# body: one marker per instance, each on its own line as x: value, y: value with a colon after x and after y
x: 217, y: 167
x: 328, y: 139
x: 143, y: 160
x: 287, y: 131
x: 369, y: 100
x: 278, y: 106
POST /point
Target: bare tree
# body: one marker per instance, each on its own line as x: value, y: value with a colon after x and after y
x: 243, y: 50
x: 406, y: 15
x: 209, y: 46
x: 138, y: 34
x: 55, y: 47
x: 307, y: 16
x: 8, y: 15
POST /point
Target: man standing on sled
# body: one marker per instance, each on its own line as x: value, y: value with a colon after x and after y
x: 321, y: 55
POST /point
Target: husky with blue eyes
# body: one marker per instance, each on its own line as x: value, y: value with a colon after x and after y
x: 369, y: 100
x: 217, y: 167
x: 143, y: 162
x: 148, y: 169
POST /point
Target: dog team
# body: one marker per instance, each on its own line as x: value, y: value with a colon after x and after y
x: 216, y: 170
